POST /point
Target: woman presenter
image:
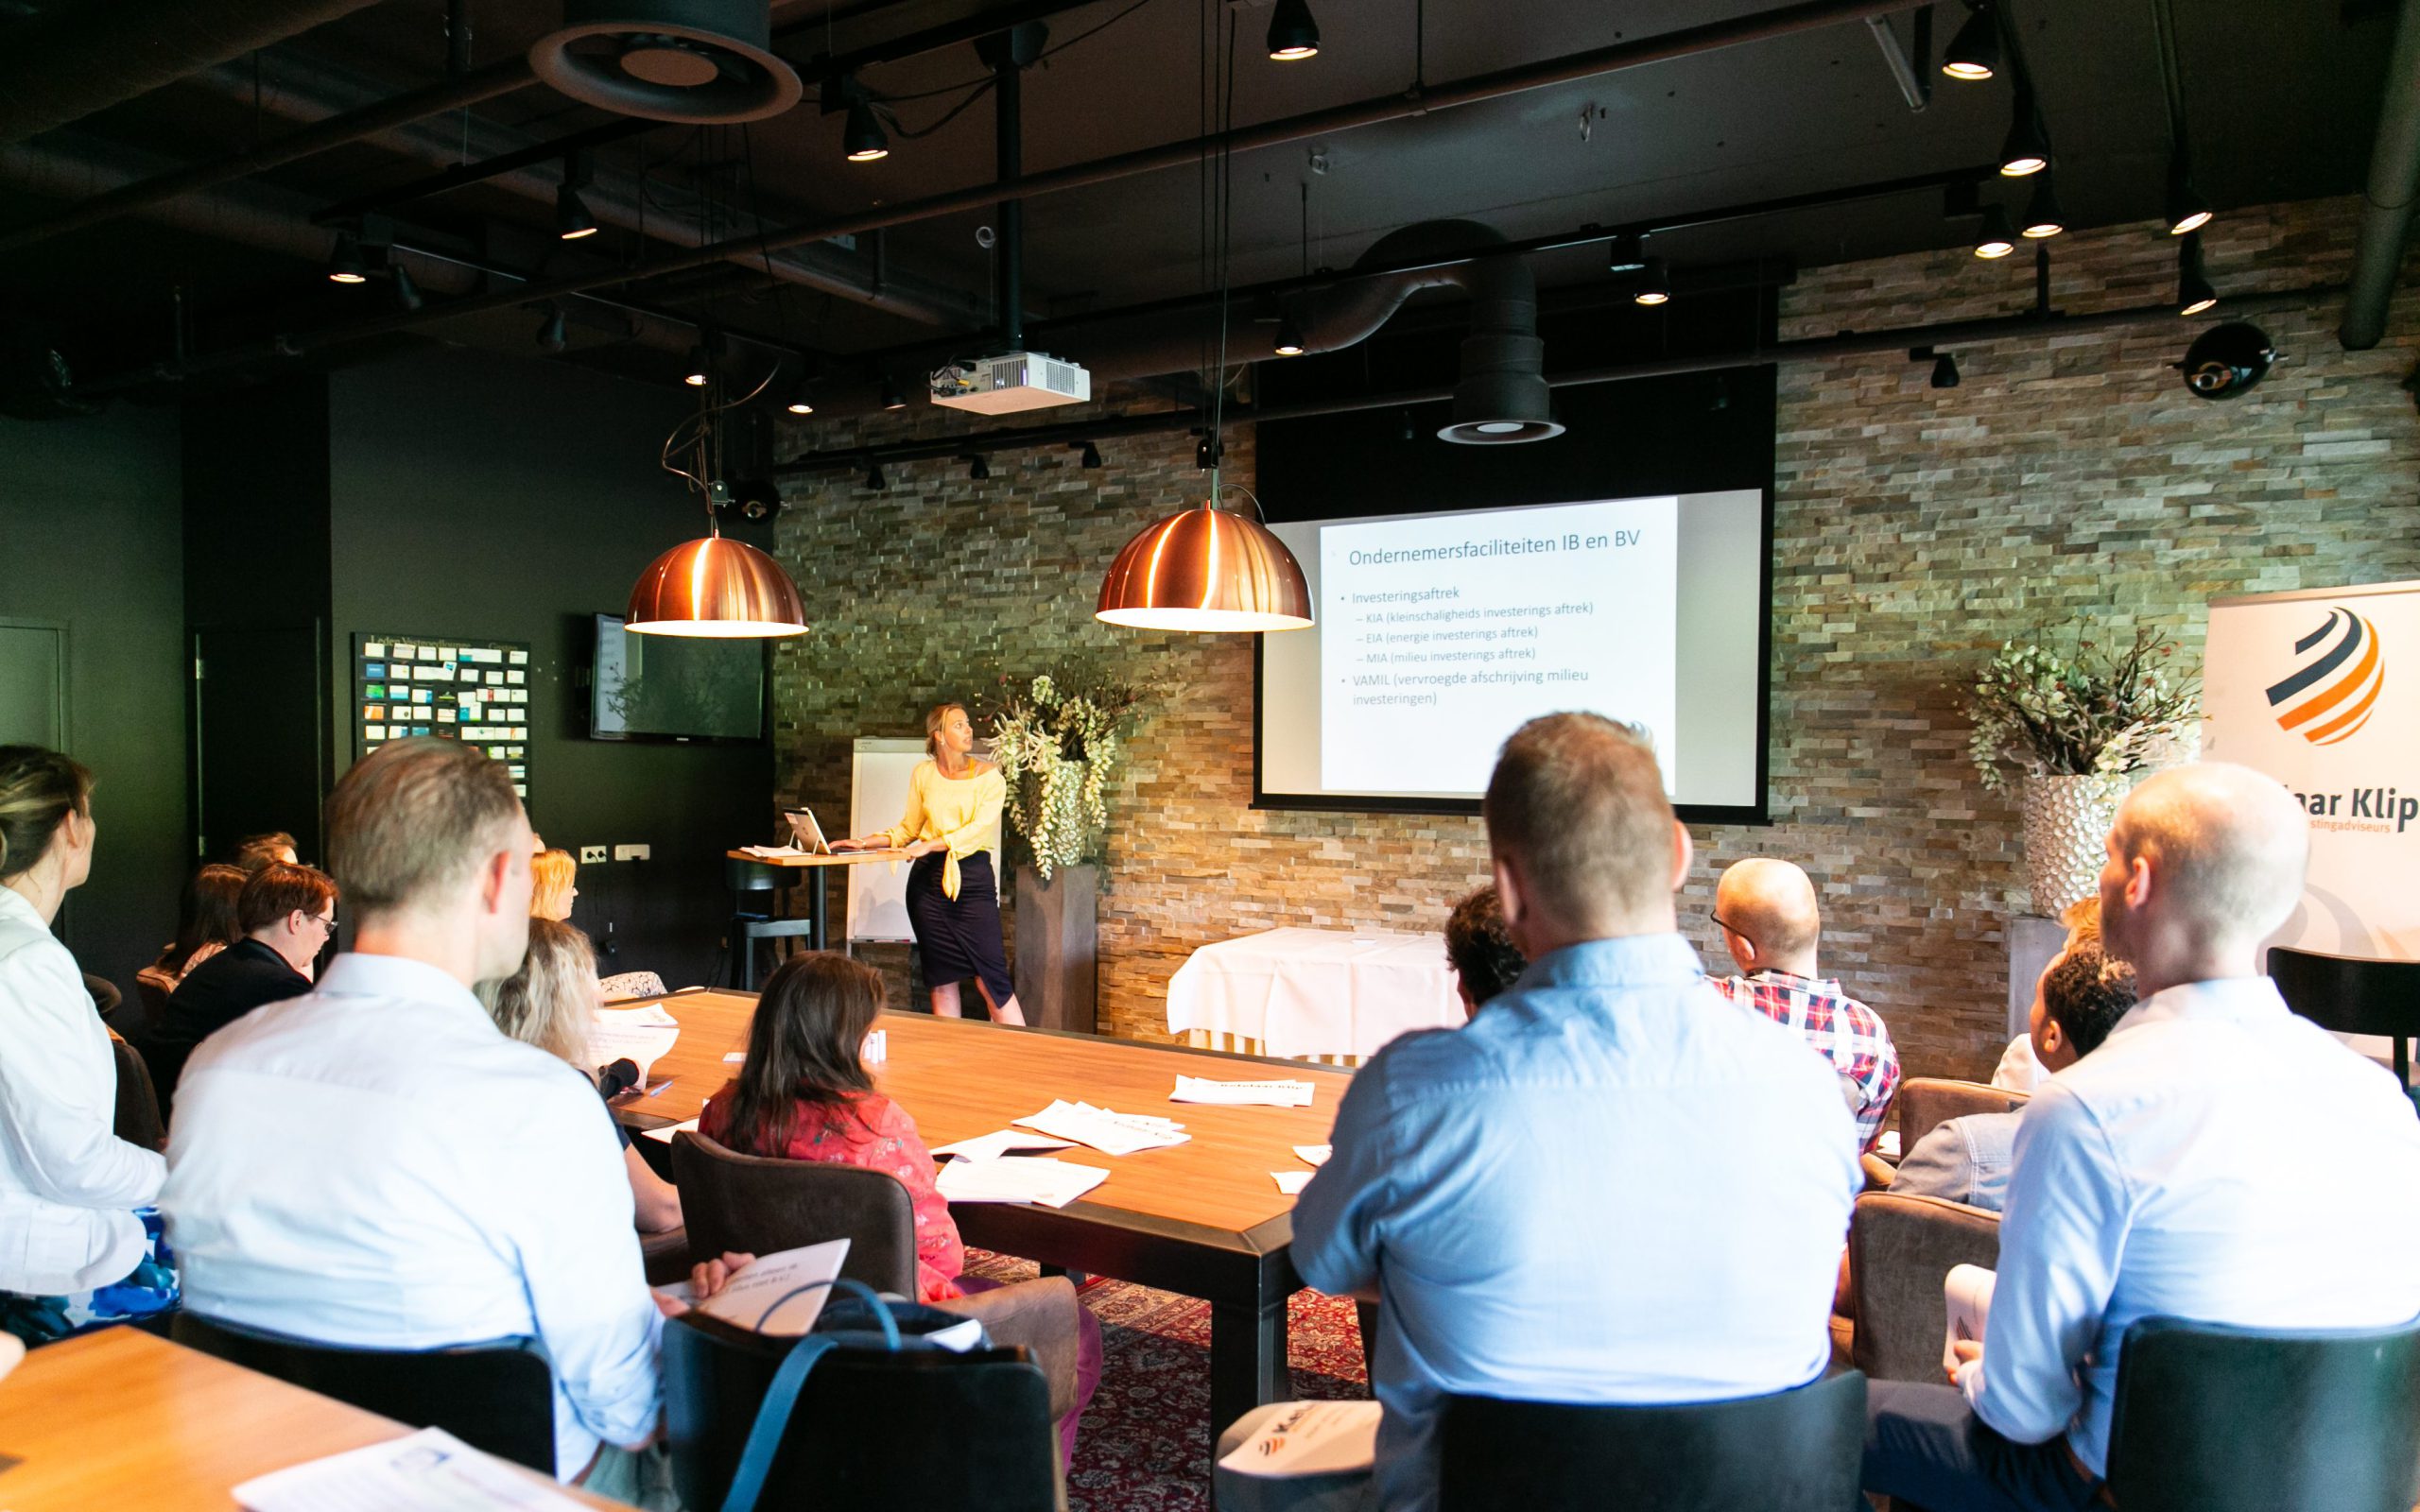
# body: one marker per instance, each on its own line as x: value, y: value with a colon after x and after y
x: 952, y: 824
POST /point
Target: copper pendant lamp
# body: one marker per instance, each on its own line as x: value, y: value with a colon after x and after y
x: 1206, y: 569
x: 719, y: 588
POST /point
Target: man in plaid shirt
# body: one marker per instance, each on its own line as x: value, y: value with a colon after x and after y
x: 1769, y: 922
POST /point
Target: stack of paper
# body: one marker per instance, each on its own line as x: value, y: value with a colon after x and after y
x: 991, y: 1146
x: 1018, y: 1178
x: 1110, y: 1133
x: 1312, y: 1438
x: 638, y: 1035
x: 782, y: 1293
x: 427, y: 1471
x: 772, y: 852
x: 667, y: 1133
x: 1278, y: 1093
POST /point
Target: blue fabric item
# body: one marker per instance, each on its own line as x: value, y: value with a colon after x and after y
x: 1611, y: 1185
x: 147, y: 1291
x: 1924, y: 1447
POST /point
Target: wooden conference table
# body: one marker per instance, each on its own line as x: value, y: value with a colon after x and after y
x: 122, y: 1418
x: 1203, y: 1218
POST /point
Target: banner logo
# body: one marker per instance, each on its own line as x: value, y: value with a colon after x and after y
x: 2329, y: 696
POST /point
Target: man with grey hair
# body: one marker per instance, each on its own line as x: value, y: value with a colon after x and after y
x: 373, y: 1163
x: 1608, y: 1187
x: 2164, y: 1174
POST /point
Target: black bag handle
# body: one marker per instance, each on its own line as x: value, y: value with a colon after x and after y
x: 781, y: 1398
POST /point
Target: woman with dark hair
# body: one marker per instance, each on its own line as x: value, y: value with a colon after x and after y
x: 80, y: 1240
x: 804, y: 1093
x: 206, y: 925
x: 951, y: 828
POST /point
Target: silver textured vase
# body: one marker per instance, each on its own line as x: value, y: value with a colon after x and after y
x: 2066, y: 823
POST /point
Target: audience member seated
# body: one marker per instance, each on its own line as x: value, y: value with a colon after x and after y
x: 1480, y: 949
x: 2171, y: 1172
x: 552, y: 874
x: 287, y: 914
x: 1608, y: 1187
x: 374, y: 1163
x: 1771, y: 924
x: 206, y: 925
x: 550, y: 1003
x: 803, y: 1094
x: 2080, y: 997
x: 258, y: 850
x: 80, y: 1241
x: 2019, y: 1071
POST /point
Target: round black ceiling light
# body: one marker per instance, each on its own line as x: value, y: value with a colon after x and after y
x: 695, y: 61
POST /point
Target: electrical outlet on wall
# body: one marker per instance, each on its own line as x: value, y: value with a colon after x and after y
x: 592, y: 855
x: 632, y: 853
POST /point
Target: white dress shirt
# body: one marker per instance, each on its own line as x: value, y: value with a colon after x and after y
x: 373, y: 1163
x: 68, y: 1185
x: 2216, y: 1158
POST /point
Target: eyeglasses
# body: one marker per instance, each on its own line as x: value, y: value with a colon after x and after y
x: 327, y: 923
x: 1721, y: 923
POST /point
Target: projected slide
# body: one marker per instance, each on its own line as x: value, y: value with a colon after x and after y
x: 1439, y: 636
x: 1440, y: 633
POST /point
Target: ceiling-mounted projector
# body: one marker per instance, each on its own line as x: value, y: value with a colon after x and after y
x: 1011, y: 382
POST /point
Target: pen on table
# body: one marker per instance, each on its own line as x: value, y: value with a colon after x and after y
x: 660, y: 1086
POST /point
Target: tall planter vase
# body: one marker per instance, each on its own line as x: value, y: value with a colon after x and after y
x: 1057, y: 947
x: 2066, y: 823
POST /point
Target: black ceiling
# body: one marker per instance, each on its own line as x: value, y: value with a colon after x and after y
x: 2280, y: 99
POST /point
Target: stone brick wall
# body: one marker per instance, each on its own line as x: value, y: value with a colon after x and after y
x: 2070, y: 478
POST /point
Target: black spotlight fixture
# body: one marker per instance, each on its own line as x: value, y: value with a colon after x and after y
x: 1087, y: 454
x: 874, y: 479
x: 2187, y: 211
x: 977, y: 470
x: 2043, y: 218
x: 801, y: 398
x: 1292, y: 34
x: 2225, y: 360
x: 1994, y: 239
x: 1290, y: 339
x: 345, y: 262
x: 697, y: 366
x: 863, y: 140
x: 2193, y: 292
x: 892, y: 397
x: 407, y: 295
x: 1944, y: 371
x: 1654, y: 283
x: 551, y: 335
x: 572, y: 219
x: 1974, y: 53
x: 2026, y: 149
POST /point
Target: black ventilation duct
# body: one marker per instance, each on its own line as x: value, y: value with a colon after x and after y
x: 703, y: 62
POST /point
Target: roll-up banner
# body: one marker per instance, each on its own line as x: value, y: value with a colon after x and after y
x: 2321, y: 689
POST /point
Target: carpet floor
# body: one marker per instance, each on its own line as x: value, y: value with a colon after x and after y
x: 1144, y: 1445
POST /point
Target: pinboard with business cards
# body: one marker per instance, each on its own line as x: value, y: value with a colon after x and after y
x: 477, y: 692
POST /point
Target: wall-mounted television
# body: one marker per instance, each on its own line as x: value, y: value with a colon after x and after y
x: 675, y: 687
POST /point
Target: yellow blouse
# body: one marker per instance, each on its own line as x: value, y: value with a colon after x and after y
x: 963, y: 812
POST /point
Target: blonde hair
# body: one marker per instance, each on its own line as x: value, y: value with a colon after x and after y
x: 933, y: 718
x: 416, y: 816
x: 39, y: 789
x: 549, y: 1001
x: 550, y: 877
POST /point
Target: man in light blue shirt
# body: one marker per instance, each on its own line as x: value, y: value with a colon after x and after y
x: 1612, y: 1186
x: 2168, y: 1173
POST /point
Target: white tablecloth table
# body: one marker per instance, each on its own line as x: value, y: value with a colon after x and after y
x: 1305, y: 993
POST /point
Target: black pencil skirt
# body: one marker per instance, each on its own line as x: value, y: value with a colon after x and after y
x: 959, y: 938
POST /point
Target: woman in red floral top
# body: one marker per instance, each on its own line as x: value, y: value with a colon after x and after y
x: 803, y: 1094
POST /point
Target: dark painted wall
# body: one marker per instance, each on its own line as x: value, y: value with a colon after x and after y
x: 478, y: 497
x: 89, y: 512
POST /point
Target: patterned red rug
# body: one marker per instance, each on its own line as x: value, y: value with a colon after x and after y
x: 1144, y: 1445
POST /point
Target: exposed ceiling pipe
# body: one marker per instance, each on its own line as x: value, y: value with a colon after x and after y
x: 332, y: 131
x: 1816, y: 349
x: 307, y: 90
x: 1810, y: 15
x: 2387, y: 198
x: 71, y: 61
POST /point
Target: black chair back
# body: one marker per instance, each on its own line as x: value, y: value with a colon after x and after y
x: 498, y: 1396
x: 749, y: 876
x: 929, y: 1430
x: 758, y: 1205
x: 1797, y: 1451
x: 2347, y: 995
x: 137, y: 1120
x: 2210, y: 1418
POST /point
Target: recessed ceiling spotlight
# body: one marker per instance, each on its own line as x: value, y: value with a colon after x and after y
x: 1292, y: 34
